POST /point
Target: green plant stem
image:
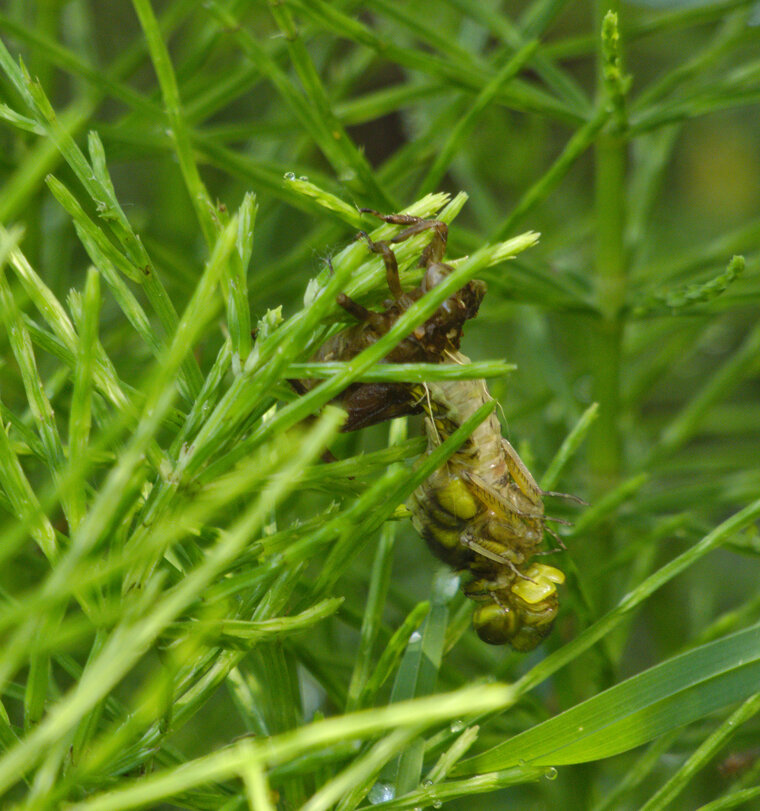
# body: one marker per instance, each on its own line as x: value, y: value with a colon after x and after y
x: 606, y: 327
x: 377, y: 595
x: 705, y: 753
x: 610, y: 279
x: 199, y: 196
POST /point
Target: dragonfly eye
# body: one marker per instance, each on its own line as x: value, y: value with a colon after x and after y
x: 515, y: 621
x: 495, y: 624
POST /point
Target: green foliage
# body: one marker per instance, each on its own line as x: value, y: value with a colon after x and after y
x: 195, y: 610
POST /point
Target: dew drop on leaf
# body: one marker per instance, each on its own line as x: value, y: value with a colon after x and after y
x: 381, y: 793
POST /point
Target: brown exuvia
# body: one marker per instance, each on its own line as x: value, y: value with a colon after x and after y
x: 371, y: 403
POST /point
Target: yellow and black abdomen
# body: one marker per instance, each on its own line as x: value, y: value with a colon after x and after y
x: 442, y: 508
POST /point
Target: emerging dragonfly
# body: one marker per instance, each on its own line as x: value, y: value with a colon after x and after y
x: 482, y: 511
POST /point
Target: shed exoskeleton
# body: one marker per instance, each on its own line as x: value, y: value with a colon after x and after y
x: 371, y: 403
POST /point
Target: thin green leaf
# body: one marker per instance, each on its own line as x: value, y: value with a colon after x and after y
x: 669, y: 695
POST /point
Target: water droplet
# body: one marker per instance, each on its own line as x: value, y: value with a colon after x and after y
x: 381, y: 793
x: 447, y: 585
x: 457, y: 726
x: 290, y: 175
x: 550, y: 773
x: 415, y: 637
x: 304, y: 178
x: 437, y: 803
x: 427, y: 783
